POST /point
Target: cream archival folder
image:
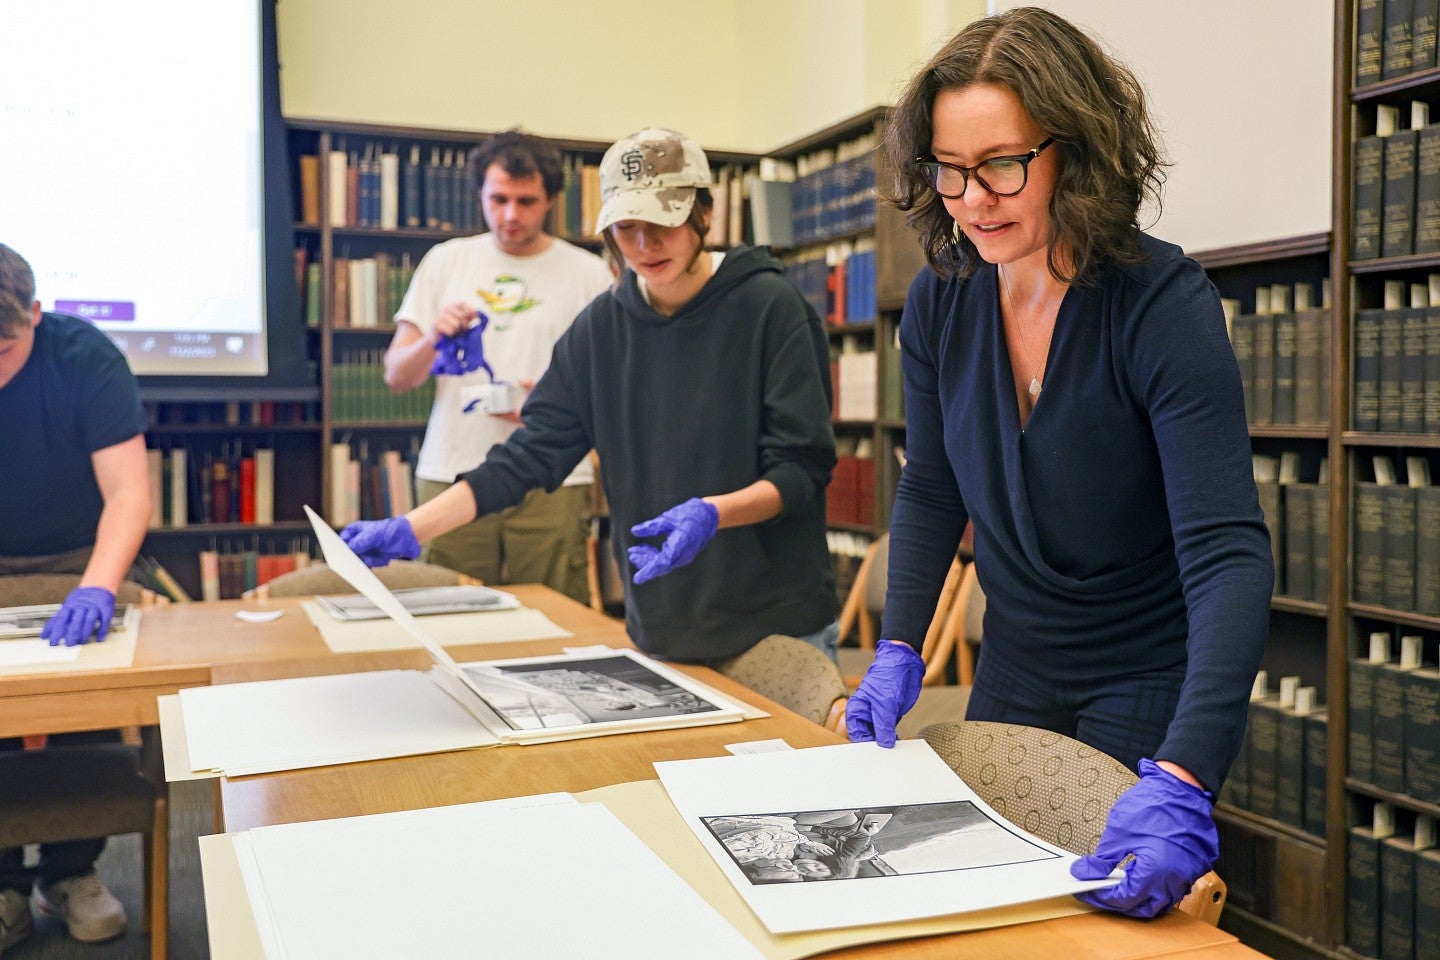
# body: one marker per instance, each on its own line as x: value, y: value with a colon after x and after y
x: 537, y: 876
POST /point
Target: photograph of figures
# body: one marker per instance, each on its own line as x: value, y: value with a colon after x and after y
x: 576, y: 690
x: 28, y: 621
x: 859, y: 842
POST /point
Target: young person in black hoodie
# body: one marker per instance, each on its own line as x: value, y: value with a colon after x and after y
x: 702, y: 379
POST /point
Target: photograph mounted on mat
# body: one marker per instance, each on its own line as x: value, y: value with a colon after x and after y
x: 422, y: 602
x: 28, y: 621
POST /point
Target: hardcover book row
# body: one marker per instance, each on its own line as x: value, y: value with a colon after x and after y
x: 1393, y: 738
x: 1397, y: 361
x: 1396, y: 557
x: 1284, y: 355
x: 1280, y: 770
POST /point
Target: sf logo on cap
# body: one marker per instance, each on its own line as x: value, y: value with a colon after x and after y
x: 632, y: 163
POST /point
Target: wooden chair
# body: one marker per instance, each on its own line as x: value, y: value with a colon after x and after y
x: 72, y: 792
x: 867, y: 599
x: 318, y: 578
x: 795, y: 675
x: 1051, y: 785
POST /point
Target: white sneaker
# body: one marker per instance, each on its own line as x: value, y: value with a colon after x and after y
x: 15, y: 920
x: 89, y: 910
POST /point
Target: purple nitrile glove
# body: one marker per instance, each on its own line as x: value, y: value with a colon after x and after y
x: 463, y: 352
x: 886, y: 693
x: 1169, y: 827
x: 377, y: 542
x: 686, y: 528
x: 86, y: 611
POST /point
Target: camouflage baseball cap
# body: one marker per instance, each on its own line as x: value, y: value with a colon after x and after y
x: 651, y: 175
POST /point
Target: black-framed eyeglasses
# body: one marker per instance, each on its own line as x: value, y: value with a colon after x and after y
x: 1002, y: 176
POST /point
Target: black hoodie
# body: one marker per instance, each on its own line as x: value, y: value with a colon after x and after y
x: 733, y: 388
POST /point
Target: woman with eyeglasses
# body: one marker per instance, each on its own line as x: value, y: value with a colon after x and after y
x: 1070, y: 389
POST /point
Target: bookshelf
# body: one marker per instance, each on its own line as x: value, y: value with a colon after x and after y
x: 1387, y: 316
x: 854, y: 259
x: 368, y: 201
x: 1273, y: 856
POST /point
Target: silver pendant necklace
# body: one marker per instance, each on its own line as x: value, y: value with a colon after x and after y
x: 1034, y: 388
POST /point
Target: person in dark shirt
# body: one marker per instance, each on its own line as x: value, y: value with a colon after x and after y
x: 76, y: 500
x: 702, y: 382
x: 1071, y: 391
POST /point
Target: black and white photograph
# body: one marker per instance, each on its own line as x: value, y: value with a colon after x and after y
x: 858, y: 842
x: 20, y: 622
x: 573, y: 691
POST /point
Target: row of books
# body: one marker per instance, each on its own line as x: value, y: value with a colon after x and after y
x: 854, y: 373
x: 1283, y: 350
x: 1280, y: 770
x: 365, y: 291
x: 850, y: 497
x: 358, y: 392
x: 1393, y: 737
x: 235, y: 484
x: 229, y: 574
x: 375, y: 186
x: 834, y: 191
x: 1396, y: 192
x: 1297, y: 514
x: 234, y: 413
x: 1392, y: 889
x: 1397, y: 360
x: 368, y: 484
x: 1394, y: 38
x: 838, y: 281
x: 1397, y: 538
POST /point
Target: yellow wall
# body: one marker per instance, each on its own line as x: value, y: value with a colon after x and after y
x: 740, y: 74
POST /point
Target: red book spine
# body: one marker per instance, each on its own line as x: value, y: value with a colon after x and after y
x: 247, y: 490
x: 220, y: 491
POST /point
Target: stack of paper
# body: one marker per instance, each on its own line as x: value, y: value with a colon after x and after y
x: 422, y: 602
x: 536, y: 877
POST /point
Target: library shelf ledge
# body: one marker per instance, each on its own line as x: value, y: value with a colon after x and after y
x: 890, y: 423
x: 1395, y: 799
x: 1289, y: 431
x: 1365, y: 438
x: 1295, y: 605
x: 403, y: 233
x: 841, y: 329
x: 1406, y: 617
x: 1255, y: 823
x: 822, y: 241
x: 246, y: 429
x: 1417, y: 86
x: 231, y: 529
x: 852, y: 424
x: 344, y: 425
x: 1415, y: 261
x: 1264, y: 251
x: 384, y: 329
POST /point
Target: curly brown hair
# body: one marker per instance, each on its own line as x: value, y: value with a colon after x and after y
x: 1091, y: 104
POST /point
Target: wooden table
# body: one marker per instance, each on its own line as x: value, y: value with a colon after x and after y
x: 193, y: 644
x: 186, y: 645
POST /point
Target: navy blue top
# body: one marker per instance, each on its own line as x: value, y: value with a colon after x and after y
x: 1120, y: 530
x: 74, y: 396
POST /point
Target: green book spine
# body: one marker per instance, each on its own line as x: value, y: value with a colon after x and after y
x: 1369, y: 41
x: 1427, y: 190
x: 1264, y: 369
x: 1397, y: 899
x: 1320, y: 540
x: 1391, y: 324
x: 1412, y: 370
x: 1264, y: 754
x: 1399, y: 547
x: 1299, y: 542
x: 1427, y: 550
x: 1387, y: 732
x: 1397, y: 49
x: 1317, y: 748
x: 1362, y: 892
x: 1361, y: 693
x: 1368, y: 200
x: 1369, y: 550
x: 1366, y: 369
x: 1422, y: 735
x: 1431, y: 375
x: 1427, y: 903
x: 1309, y: 329
x: 1289, y: 767
x: 1283, y: 410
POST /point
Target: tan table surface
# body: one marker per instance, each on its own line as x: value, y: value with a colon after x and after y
x: 186, y: 645
x: 193, y: 644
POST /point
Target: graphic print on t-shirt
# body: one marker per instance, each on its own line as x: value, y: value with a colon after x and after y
x: 506, y: 295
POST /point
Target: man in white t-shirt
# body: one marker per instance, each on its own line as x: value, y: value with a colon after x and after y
x: 529, y: 285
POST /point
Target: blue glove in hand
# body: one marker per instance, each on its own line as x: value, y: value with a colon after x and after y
x: 377, y: 542
x: 85, y: 611
x: 1168, y: 825
x: 463, y: 352
x: 686, y: 529
x: 888, y: 691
